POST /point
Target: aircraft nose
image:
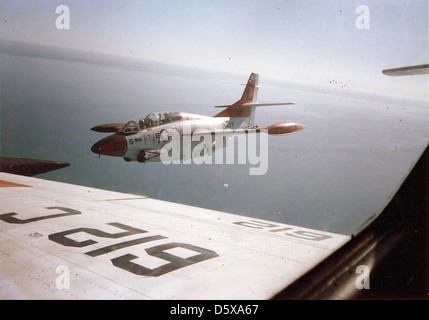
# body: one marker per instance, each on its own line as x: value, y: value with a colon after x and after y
x: 113, y: 145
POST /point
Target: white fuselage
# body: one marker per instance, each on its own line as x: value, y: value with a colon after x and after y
x: 155, y: 138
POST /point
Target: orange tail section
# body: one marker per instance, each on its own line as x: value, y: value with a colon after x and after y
x: 242, y: 113
x: 250, y: 94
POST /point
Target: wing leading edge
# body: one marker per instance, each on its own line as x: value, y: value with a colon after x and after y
x: 61, y: 241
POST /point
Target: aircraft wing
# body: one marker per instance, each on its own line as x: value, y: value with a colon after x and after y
x: 408, y: 71
x: 29, y: 167
x: 62, y: 241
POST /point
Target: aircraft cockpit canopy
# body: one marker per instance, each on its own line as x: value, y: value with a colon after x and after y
x: 149, y: 121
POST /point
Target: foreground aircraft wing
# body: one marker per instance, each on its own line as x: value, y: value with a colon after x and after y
x: 29, y: 167
x: 62, y: 241
x: 408, y: 71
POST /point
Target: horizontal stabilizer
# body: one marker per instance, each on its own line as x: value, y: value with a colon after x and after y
x: 255, y: 104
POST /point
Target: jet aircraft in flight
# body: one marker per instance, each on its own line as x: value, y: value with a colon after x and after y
x: 142, y: 139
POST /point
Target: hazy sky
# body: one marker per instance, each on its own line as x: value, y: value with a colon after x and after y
x: 315, y: 41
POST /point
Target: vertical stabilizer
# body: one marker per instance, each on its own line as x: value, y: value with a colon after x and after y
x: 243, y: 116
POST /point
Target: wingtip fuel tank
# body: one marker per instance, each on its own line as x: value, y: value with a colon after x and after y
x: 109, y: 127
x: 284, y: 128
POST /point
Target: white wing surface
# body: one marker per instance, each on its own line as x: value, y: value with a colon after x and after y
x: 62, y: 241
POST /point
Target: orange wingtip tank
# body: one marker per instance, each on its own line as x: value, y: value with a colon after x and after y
x: 110, y: 127
x: 284, y: 128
